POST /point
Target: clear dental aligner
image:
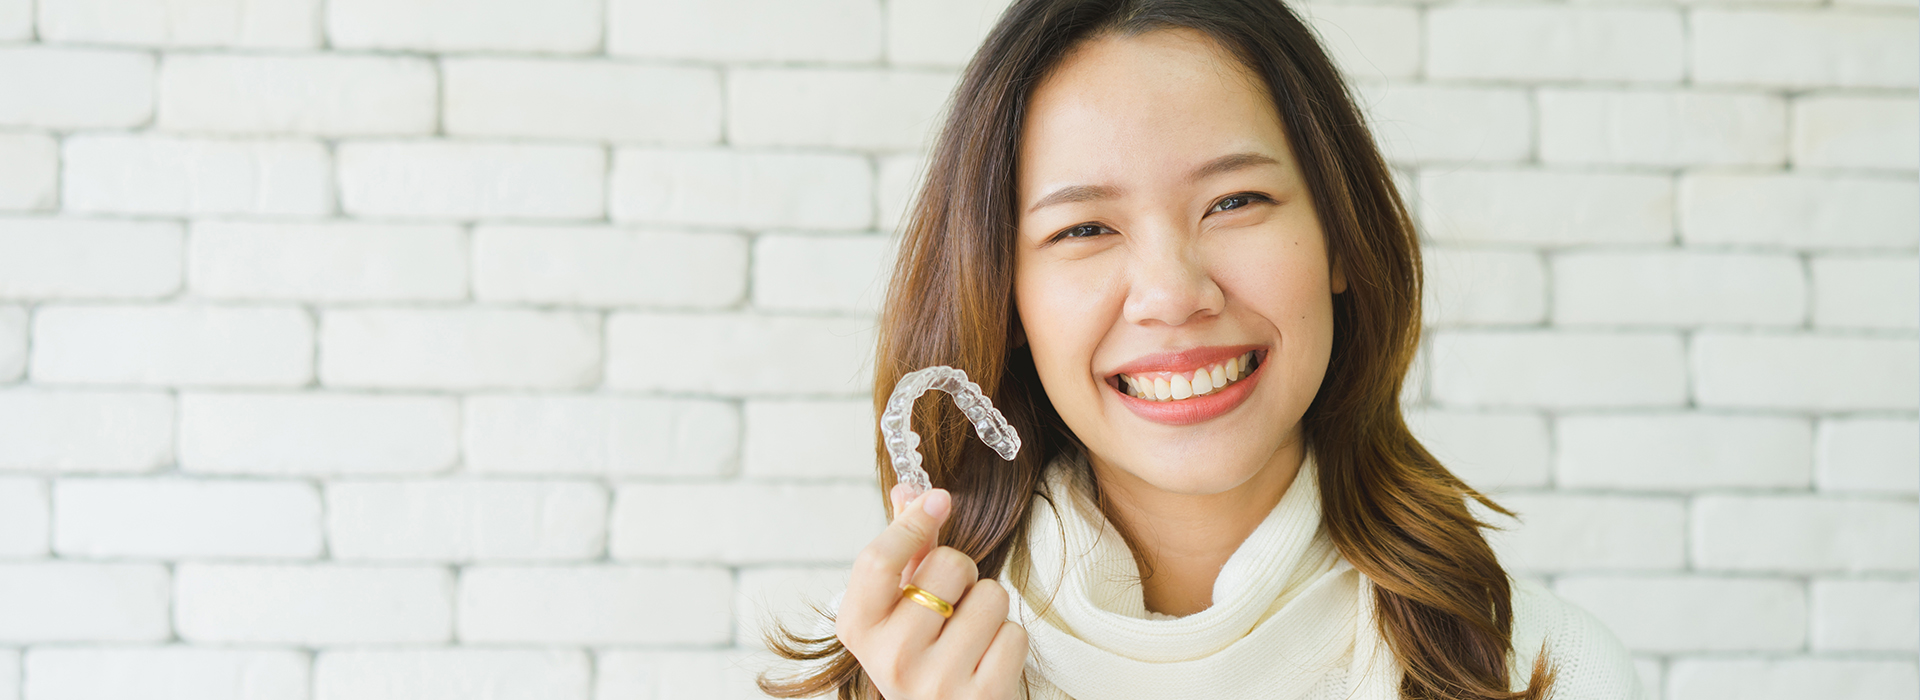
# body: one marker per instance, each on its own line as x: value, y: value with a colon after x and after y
x: 903, y: 445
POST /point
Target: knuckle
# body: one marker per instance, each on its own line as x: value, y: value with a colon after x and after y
x: 991, y: 598
x: 958, y: 561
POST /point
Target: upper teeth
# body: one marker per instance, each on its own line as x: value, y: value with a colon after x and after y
x: 1173, y: 386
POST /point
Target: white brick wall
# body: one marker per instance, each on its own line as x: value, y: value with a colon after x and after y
x: 361, y: 349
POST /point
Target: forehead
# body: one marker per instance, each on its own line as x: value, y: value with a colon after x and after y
x: 1143, y: 106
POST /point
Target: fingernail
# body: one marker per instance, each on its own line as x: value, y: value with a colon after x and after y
x: 936, y: 502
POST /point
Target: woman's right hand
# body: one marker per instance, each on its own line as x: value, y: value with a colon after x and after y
x: 908, y: 649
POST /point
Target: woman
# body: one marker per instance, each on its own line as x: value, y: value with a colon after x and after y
x: 1160, y: 237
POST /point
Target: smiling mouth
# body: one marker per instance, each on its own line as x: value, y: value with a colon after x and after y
x: 1179, y: 386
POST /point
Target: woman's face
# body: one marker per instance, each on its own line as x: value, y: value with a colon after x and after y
x: 1166, y: 239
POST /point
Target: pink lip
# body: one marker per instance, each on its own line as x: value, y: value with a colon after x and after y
x: 1199, y: 408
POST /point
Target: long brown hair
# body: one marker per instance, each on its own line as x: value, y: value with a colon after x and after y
x: 1391, y: 508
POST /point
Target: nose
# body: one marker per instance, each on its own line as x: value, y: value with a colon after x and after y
x: 1169, y: 283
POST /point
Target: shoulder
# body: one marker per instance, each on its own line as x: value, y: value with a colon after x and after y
x: 1589, y: 662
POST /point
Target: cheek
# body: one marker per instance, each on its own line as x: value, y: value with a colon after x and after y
x: 1065, y: 311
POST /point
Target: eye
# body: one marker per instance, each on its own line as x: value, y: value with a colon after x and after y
x: 1237, y: 201
x: 1081, y: 231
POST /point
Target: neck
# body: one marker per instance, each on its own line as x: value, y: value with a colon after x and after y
x: 1181, y: 540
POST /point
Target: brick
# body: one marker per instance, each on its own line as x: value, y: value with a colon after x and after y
x: 450, y: 674
x: 572, y: 99
x: 810, y: 439
x: 55, y: 602
x: 835, y: 107
x: 1787, y: 678
x: 1567, y: 532
x: 460, y: 349
x: 1488, y: 450
x: 1415, y: 123
x: 788, y: 596
x: 16, y: 23
x: 327, y: 95
x: 81, y: 259
x: 1557, y: 369
x: 13, y: 343
x: 1829, y: 373
x: 1682, y: 452
x: 189, y: 345
x: 467, y: 180
x: 542, y: 26
x: 1555, y: 43
x: 1656, y: 613
x: 1661, y: 128
x: 747, y: 189
x: 85, y: 431
x: 608, y: 267
x: 821, y: 273
x: 1652, y: 676
x: 1804, y: 48
x: 255, y: 24
x: 1805, y: 533
x: 64, y: 88
x: 1367, y: 42
x: 738, y: 355
x: 141, y: 174
x: 1868, y: 454
x: 1880, y: 292
x: 1865, y: 615
x: 25, y: 517
x: 327, y: 262
x: 179, y: 519
x: 1856, y: 132
x: 167, y: 673
x: 601, y: 436
x: 1466, y: 287
x: 466, y: 521
x: 29, y: 172
x: 744, y: 522
x: 939, y: 32
x: 898, y: 183
x: 1678, y: 288
x: 595, y: 605
x: 312, y: 605
x: 1545, y: 207
x: 1797, y: 211
x: 745, y: 30
x: 317, y: 433
x: 715, y: 675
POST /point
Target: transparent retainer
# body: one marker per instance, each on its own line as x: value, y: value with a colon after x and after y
x: 903, y: 445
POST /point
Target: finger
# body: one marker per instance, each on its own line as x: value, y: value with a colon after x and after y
x: 902, y: 494
x: 947, y: 574
x: 999, y: 669
x: 874, y: 584
x: 975, y: 622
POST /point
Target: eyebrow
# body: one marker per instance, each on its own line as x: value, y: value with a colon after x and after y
x: 1089, y: 193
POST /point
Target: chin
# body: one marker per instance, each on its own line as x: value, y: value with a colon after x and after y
x: 1176, y: 470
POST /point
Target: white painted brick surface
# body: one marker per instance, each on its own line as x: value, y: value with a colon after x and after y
x: 1686, y: 613
x: 1799, y: 212
x: 1868, y: 454
x: 1467, y: 287
x: 61, y: 602
x: 614, y: 605
x: 601, y: 436
x: 820, y: 439
x: 138, y: 174
x: 82, y: 259
x: 1545, y: 207
x: 898, y: 184
x: 459, y: 349
x: 173, y: 345
x: 179, y: 519
x: 608, y: 267
x: 939, y: 32
x: 746, y: 30
x: 1529, y: 368
x: 1574, y: 533
x: 1488, y: 450
x: 325, y: 95
x: 744, y: 523
x: 1367, y: 41
x: 1866, y: 615
x: 786, y: 596
x: 13, y: 343
x: 1805, y: 48
x: 331, y: 262
x: 1417, y: 123
x: 252, y: 24
x: 312, y: 433
x: 1857, y: 292
x: 29, y: 171
x: 1837, y: 131
x: 843, y: 108
x: 719, y: 675
x: 1785, y: 679
x: 16, y: 23
x: 521, y: 26
x: 472, y: 180
x: 448, y: 674
x: 821, y: 273
x: 1679, y: 289
x: 739, y: 355
x: 1661, y: 127
x: 73, y: 88
x: 466, y: 521
x: 329, y: 605
x: 569, y: 99
x: 1555, y: 43
x: 85, y: 431
x: 741, y: 188
x: 1682, y: 452
x: 167, y: 673
x: 1830, y: 372
x: 25, y: 518
x: 1801, y: 533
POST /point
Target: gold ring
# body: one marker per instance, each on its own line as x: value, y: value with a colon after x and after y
x: 931, y: 601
